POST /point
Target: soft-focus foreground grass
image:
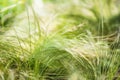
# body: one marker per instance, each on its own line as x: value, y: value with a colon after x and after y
x: 72, y: 46
x: 8, y: 10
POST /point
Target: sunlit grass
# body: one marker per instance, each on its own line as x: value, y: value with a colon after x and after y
x: 99, y: 13
x: 61, y: 47
x: 9, y: 9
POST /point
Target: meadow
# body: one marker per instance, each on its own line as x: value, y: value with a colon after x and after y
x: 59, y: 40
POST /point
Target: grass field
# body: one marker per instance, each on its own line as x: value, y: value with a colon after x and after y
x: 59, y: 40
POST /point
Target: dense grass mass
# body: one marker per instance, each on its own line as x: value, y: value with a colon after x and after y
x: 60, y: 40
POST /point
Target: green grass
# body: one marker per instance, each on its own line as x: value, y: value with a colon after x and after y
x: 97, y: 12
x: 9, y: 9
x: 72, y: 47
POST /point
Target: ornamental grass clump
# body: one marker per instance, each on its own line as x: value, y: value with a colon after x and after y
x: 61, y: 47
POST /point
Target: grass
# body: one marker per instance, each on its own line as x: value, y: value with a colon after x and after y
x: 65, y: 49
x: 9, y: 9
x: 91, y: 11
